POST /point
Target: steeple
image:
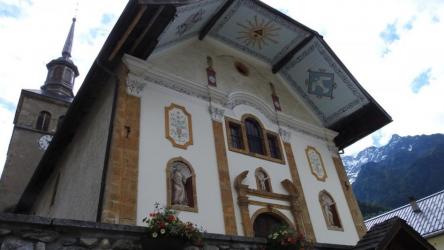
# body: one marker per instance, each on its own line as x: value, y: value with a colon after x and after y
x: 62, y: 71
x: 66, y: 52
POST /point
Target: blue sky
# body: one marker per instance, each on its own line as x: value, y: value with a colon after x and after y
x: 393, y: 48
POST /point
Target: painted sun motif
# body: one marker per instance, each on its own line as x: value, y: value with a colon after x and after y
x: 257, y: 33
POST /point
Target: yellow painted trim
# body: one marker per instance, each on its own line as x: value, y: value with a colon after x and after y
x: 224, y: 179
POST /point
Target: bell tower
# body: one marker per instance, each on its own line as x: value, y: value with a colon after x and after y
x: 38, y: 114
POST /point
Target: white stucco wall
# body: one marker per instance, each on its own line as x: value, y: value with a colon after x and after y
x: 188, y: 61
x: 312, y: 187
x: 155, y: 151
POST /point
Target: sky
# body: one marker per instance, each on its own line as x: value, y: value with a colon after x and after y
x: 394, y: 48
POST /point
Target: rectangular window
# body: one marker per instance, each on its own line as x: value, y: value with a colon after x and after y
x: 236, y: 136
x: 273, y: 145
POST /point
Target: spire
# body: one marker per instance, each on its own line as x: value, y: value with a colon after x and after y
x: 66, y: 53
x: 62, y: 71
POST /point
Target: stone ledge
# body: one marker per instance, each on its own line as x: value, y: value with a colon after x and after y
x: 234, y: 238
x: 18, y: 231
x: 24, y: 218
x: 98, y: 226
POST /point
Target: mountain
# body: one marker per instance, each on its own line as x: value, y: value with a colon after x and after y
x: 386, y: 176
x: 374, y: 154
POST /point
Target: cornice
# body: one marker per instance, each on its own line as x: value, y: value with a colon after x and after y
x: 143, y: 73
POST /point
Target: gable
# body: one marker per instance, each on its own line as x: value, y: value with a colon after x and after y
x: 337, y: 99
x: 294, y: 52
x: 188, y: 61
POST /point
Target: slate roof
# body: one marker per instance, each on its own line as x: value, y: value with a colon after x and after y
x: 382, y: 235
x: 428, y: 222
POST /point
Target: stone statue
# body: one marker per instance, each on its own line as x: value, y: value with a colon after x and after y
x: 262, y: 178
x: 179, y: 191
x: 327, y: 205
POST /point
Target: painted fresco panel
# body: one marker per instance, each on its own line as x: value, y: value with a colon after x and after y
x: 323, y: 84
x: 189, y: 21
x: 257, y: 31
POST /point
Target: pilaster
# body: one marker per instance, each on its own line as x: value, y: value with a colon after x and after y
x: 120, y: 196
x: 299, y: 205
x: 224, y: 176
x: 350, y: 197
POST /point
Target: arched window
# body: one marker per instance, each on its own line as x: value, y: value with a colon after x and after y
x: 263, y: 180
x: 255, y: 136
x: 43, y: 121
x: 330, y: 211
x: 181, y: 185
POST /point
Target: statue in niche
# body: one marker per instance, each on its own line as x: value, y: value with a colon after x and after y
x: 181, y: 185
x: 179, y: 192
x: 329, y: 208
x: 263, y: 180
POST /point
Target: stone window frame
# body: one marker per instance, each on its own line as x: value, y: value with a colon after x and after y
x: 167, y: 126
x: 245, y: 150
x: 258, y: 182
x: 273, y: 212
x: 170, y: 188
x: 331, y: 227
x: 319, y: 178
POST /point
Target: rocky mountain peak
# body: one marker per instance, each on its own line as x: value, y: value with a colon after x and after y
x: 396, y: 144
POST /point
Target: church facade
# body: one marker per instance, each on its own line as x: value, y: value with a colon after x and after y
x: 228, y: 111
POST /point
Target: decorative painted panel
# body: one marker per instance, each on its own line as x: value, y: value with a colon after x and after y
x: 258, y: 31
x: 189, y: 21
x: 316, y: 164
x: 178, y: 126
x: 323, y: 83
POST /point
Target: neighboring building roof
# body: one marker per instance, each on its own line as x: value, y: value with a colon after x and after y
x: 393, y: 233
x: 428, y: 222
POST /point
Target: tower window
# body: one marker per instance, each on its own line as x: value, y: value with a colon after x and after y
x: 57, y: 72
x: 43, y: 121
x: 254, y: 136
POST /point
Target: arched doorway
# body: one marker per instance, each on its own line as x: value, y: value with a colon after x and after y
x: 266, y: 222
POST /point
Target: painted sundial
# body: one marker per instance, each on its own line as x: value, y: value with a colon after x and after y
x: 258, y: 33
x: 254, y: 29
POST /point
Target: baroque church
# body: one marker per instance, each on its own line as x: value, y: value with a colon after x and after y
x: 227, y: 111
